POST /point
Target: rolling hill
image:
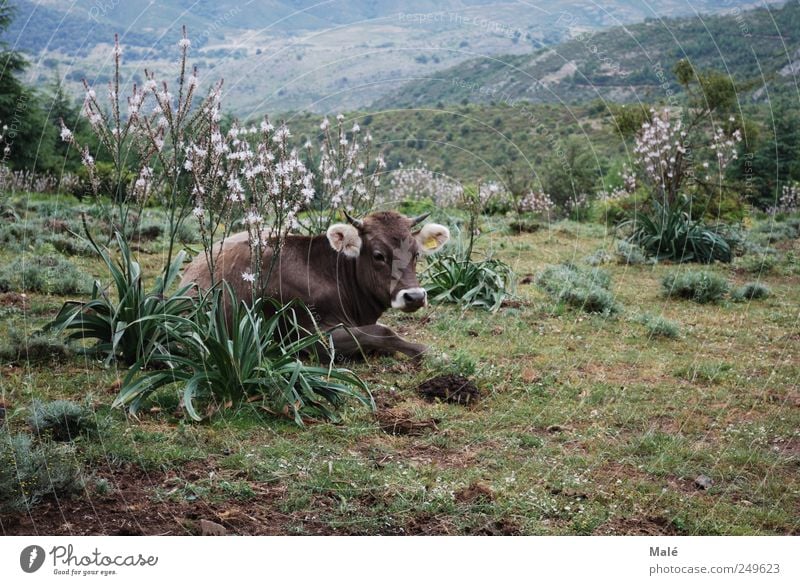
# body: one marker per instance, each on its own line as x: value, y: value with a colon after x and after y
x: 322, y: 56
x: 759, y: 48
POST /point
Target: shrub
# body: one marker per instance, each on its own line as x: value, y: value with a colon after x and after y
x: 751, y: 291
x: 61, y: 419
x: 70, y: 245
x: 669, y: 233
x: 37, y: 347
x: 450, y: 278
x: 698, y: 286
x: 632, y: 254
x: 587, y: 290
x: 46, y: 274
x: 30, y: 471
x: 659, y: 326
x: 256, y: 356
x: 598, y: 257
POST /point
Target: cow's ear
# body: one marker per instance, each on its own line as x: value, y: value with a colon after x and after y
x: 432, y: 237
x: 344, y: 238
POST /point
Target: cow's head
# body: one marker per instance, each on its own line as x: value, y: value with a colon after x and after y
x: 386, y: 251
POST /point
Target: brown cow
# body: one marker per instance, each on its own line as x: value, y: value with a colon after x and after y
x: 349, y: 276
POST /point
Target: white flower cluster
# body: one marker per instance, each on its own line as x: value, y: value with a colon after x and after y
x: 536, y: 202
x: 660, y: 150
x: 789, y: 201
x: 419, y: 183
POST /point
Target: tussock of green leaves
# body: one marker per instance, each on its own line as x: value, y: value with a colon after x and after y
x: 587, y: 290
x: 451, y: 278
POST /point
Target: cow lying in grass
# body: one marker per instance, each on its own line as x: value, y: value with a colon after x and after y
x: 349, y: 276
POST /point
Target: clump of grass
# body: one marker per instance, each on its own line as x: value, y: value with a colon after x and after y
x: 757, y: 263
x: 587, y: 290
x: 459, y: 363
x: 524, y: 226
x: 70, y: 245
x: 30, y: 471
x: 62, y: 420
x: 48, y: 274
x: 598, y: 257
x: 628, y: 253
x: 751, y: 291
x: 658, y: 326
x: 699, y: 286
x: 34, y: 348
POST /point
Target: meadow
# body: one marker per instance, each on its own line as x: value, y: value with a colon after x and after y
x: 663, y: 416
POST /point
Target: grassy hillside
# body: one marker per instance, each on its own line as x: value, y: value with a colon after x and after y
x: 627, y: 63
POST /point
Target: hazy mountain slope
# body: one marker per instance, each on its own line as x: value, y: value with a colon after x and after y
x: 318, y: 55
x: 625, y: 63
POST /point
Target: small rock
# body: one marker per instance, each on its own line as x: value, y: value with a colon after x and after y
x: 703, y: 482
x: 209, y: 528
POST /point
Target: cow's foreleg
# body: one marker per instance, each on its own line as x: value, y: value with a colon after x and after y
x: 353, y: 341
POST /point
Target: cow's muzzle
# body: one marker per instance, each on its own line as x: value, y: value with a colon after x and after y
x: 410, y: 299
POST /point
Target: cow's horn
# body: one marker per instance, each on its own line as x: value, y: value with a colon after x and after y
x: 356, y: 222
x: 419, y: 218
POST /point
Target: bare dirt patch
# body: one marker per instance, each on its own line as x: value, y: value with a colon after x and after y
x: 646, y: 526
x: 449, y: 388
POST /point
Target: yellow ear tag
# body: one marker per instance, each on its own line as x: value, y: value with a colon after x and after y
x: 431, y: 243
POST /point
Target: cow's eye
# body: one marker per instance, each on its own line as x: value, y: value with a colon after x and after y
x: 379, y: 256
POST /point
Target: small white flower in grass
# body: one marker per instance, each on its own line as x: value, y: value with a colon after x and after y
x: 116, y: 51
x: 193, y: 81
x: 248, y: 276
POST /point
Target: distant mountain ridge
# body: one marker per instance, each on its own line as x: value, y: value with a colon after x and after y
x: 315, y: 55
x: 627, y: 63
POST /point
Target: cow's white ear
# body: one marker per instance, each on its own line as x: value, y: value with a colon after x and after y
x: 344, y: 238
x: 432, y: 237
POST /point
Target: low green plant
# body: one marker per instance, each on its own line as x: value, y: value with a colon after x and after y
x: 127, y: 328
x: 658, y: 326
x: 632, y: 254
x: 668, y: 232
x: 598, y: 257
x: 31, y: 470
x: 751, y: 291
x: 256, y: 355
x: 34, y: 348
x: 62, y: 420
x: 47, y: 274
x: 587, y: 290
x: 450, y: 278
x: 699, y: 286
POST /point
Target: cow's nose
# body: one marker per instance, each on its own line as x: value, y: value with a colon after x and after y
x: 415, y: 297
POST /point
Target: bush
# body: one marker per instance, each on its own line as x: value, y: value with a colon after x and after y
x: 632, y: 254
x: 46, y: 274
x: 70, y: 245
x: 37, y: 347
x: 669, y: 233
x: 698, y: 286
x: 587, y: 290
x: 598, y: 258
x: 61, y: 419
x: 257, y: 356
x: 30, y: 471
x: 450, y: 278
x: 659, y: 326
x: 751, y: 291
